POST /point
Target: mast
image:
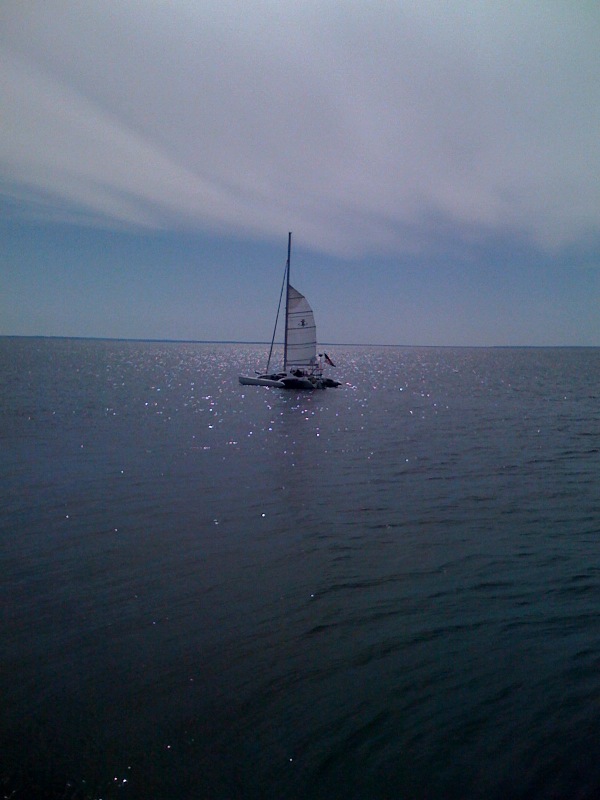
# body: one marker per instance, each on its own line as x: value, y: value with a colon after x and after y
x: 287, y: 301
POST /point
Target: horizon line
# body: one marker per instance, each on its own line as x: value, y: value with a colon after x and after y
x: 266, y: 343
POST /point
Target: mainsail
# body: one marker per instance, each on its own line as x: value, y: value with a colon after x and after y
x: 301, y: 338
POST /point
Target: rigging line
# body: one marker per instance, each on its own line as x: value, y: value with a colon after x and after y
x: 276, y: 320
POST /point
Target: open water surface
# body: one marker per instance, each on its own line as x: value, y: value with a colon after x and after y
x: 386, y: 590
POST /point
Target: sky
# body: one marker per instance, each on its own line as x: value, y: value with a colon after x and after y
x: 438, y: 164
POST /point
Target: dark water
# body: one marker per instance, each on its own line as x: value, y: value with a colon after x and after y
x: 388, y: 590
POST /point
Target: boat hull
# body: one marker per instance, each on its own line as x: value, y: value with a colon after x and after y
x: 292, y: 382
x: 246, y: 380
x: 286, y: 380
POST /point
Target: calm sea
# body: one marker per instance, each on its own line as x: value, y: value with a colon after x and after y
x: 386, y: 590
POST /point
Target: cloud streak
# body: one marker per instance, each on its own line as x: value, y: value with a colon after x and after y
x: 368, y: 129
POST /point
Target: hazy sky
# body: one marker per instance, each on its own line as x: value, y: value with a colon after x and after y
x: 437, y: 162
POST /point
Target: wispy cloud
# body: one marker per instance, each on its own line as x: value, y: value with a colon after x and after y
x: 365, y: 127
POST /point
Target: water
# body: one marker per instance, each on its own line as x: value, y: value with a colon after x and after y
x: 387, y: 590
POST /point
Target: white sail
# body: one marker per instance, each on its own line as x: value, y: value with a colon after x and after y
x: 301, y: 332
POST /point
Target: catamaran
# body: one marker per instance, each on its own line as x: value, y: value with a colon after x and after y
x: 302, y: 368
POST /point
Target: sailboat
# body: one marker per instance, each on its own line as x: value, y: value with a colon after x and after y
x: 302, y: 368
